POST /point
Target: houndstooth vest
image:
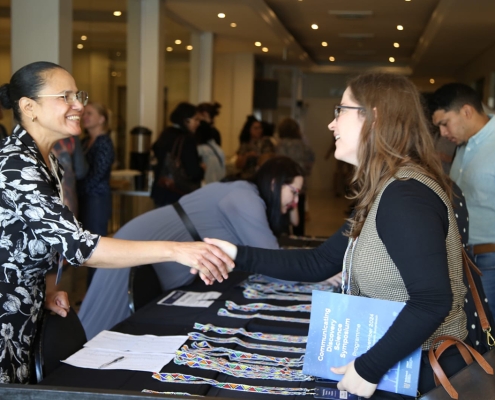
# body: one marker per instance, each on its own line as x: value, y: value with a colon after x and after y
x: 374, y: 274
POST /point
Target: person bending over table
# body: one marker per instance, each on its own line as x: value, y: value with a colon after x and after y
x: 251, y: 213
x: 37, y: 230
x: 402, y: 241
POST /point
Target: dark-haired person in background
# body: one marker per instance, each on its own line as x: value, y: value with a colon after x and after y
x: 252, y: 145
x: 208, y: 112
x: 185, y: 120
x: 212, y: 155
x: 252, y: 213
x: 37, y: 229
x: 458, y: 112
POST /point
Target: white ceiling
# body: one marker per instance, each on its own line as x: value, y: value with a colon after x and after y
x: 439, y: 38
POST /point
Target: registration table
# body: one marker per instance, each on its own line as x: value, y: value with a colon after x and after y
x: 158, y: 319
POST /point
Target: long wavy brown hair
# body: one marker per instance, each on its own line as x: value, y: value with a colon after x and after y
x: 395, y: 134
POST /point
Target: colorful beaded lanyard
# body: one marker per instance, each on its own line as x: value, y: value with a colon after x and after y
x: 247, y: 345
x: 275, y: 287
x: 204, y: 347
x: 250, y: 293
x: 269, y: 307
x: 238, y: 370
x: 190, y: 379
x: 224, y: 313
x: 173, y: 393
x: 271, y: 337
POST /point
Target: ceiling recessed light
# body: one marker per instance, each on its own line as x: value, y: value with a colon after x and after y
x: 264, y: 49
x: 408, y: 0
x: 221, y: 15
x: 117, y: 13
x: 324, y: 44
x: 432, y: 81
x: 314, y: 26
x: 391, y: 59
x: 169, y: 48
x: 84, y: 37
x: 396, y: 45
x: 257, y: 44
x: 189, y: 47
x: 400, y: 28
x: 80, y: 46
x: 233, y: 24
x: 331, y: 58
x: 178, y: 41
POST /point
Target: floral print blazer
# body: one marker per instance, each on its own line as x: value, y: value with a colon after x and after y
x: 34, y: 227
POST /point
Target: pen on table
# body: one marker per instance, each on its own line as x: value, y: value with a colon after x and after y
x: 111, y: 362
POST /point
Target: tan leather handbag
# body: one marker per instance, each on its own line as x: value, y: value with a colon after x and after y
x: 476, y: 381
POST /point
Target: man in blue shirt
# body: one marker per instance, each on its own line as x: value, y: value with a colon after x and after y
x: 458, y: 112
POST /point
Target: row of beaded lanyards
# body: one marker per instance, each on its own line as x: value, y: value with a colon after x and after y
x: 239, y: 370
x: 191, y: 379
x: 250, y: 358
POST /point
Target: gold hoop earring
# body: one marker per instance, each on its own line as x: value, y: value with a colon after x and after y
x: 33, y: 118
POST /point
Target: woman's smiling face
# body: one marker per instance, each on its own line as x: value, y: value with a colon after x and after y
x: 53, y: 114
x: 347, y: 130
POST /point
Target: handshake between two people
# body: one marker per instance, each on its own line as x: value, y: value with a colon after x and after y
x: 215, y: 263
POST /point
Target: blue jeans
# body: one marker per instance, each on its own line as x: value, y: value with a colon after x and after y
x: 486, y: 263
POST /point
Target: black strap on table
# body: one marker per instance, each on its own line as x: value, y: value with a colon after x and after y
x: 187, y: 222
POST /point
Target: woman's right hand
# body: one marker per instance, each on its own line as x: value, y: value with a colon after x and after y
x: 209, y: 260
x: 227, y: 247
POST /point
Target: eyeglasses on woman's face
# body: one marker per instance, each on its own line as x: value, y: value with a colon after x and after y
x: 295, y: 191
x: 70, y: 96
x: 339, y: 109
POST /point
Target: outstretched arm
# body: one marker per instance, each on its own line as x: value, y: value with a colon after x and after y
x: 212, y: 262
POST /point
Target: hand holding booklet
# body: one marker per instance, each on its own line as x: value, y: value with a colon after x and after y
x: 342, y: 327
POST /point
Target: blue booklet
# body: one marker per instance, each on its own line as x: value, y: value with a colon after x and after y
x: 342, y: 327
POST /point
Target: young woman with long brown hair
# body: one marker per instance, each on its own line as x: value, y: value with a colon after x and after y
x: 402, y: 240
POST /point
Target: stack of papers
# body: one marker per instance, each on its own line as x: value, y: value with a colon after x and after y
x: 113, y: 350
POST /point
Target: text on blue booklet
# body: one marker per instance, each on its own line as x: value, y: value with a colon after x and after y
x: 342, y: 327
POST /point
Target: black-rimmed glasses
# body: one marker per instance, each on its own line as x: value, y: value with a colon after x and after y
x: 70, y: 96
x: 338, y: 109
x: 295, y: 191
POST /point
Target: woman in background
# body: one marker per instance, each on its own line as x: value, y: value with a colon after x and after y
x: 251, y: 213
x: 252, y: 146
x: 179, y: 139
x: 208, y: 112
x: 94, y: 193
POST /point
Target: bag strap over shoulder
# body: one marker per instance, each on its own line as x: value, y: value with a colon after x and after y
x: 177, y: 147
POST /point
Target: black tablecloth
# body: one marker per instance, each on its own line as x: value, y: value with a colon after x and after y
x: 172, y: 320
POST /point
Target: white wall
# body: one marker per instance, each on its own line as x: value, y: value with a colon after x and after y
x: 321, y: 92
x: 233, y: 81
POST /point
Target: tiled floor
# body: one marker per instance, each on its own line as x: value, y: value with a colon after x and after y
x: 326, y: 213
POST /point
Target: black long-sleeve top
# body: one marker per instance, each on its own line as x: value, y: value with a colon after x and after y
x: 412, y: 222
